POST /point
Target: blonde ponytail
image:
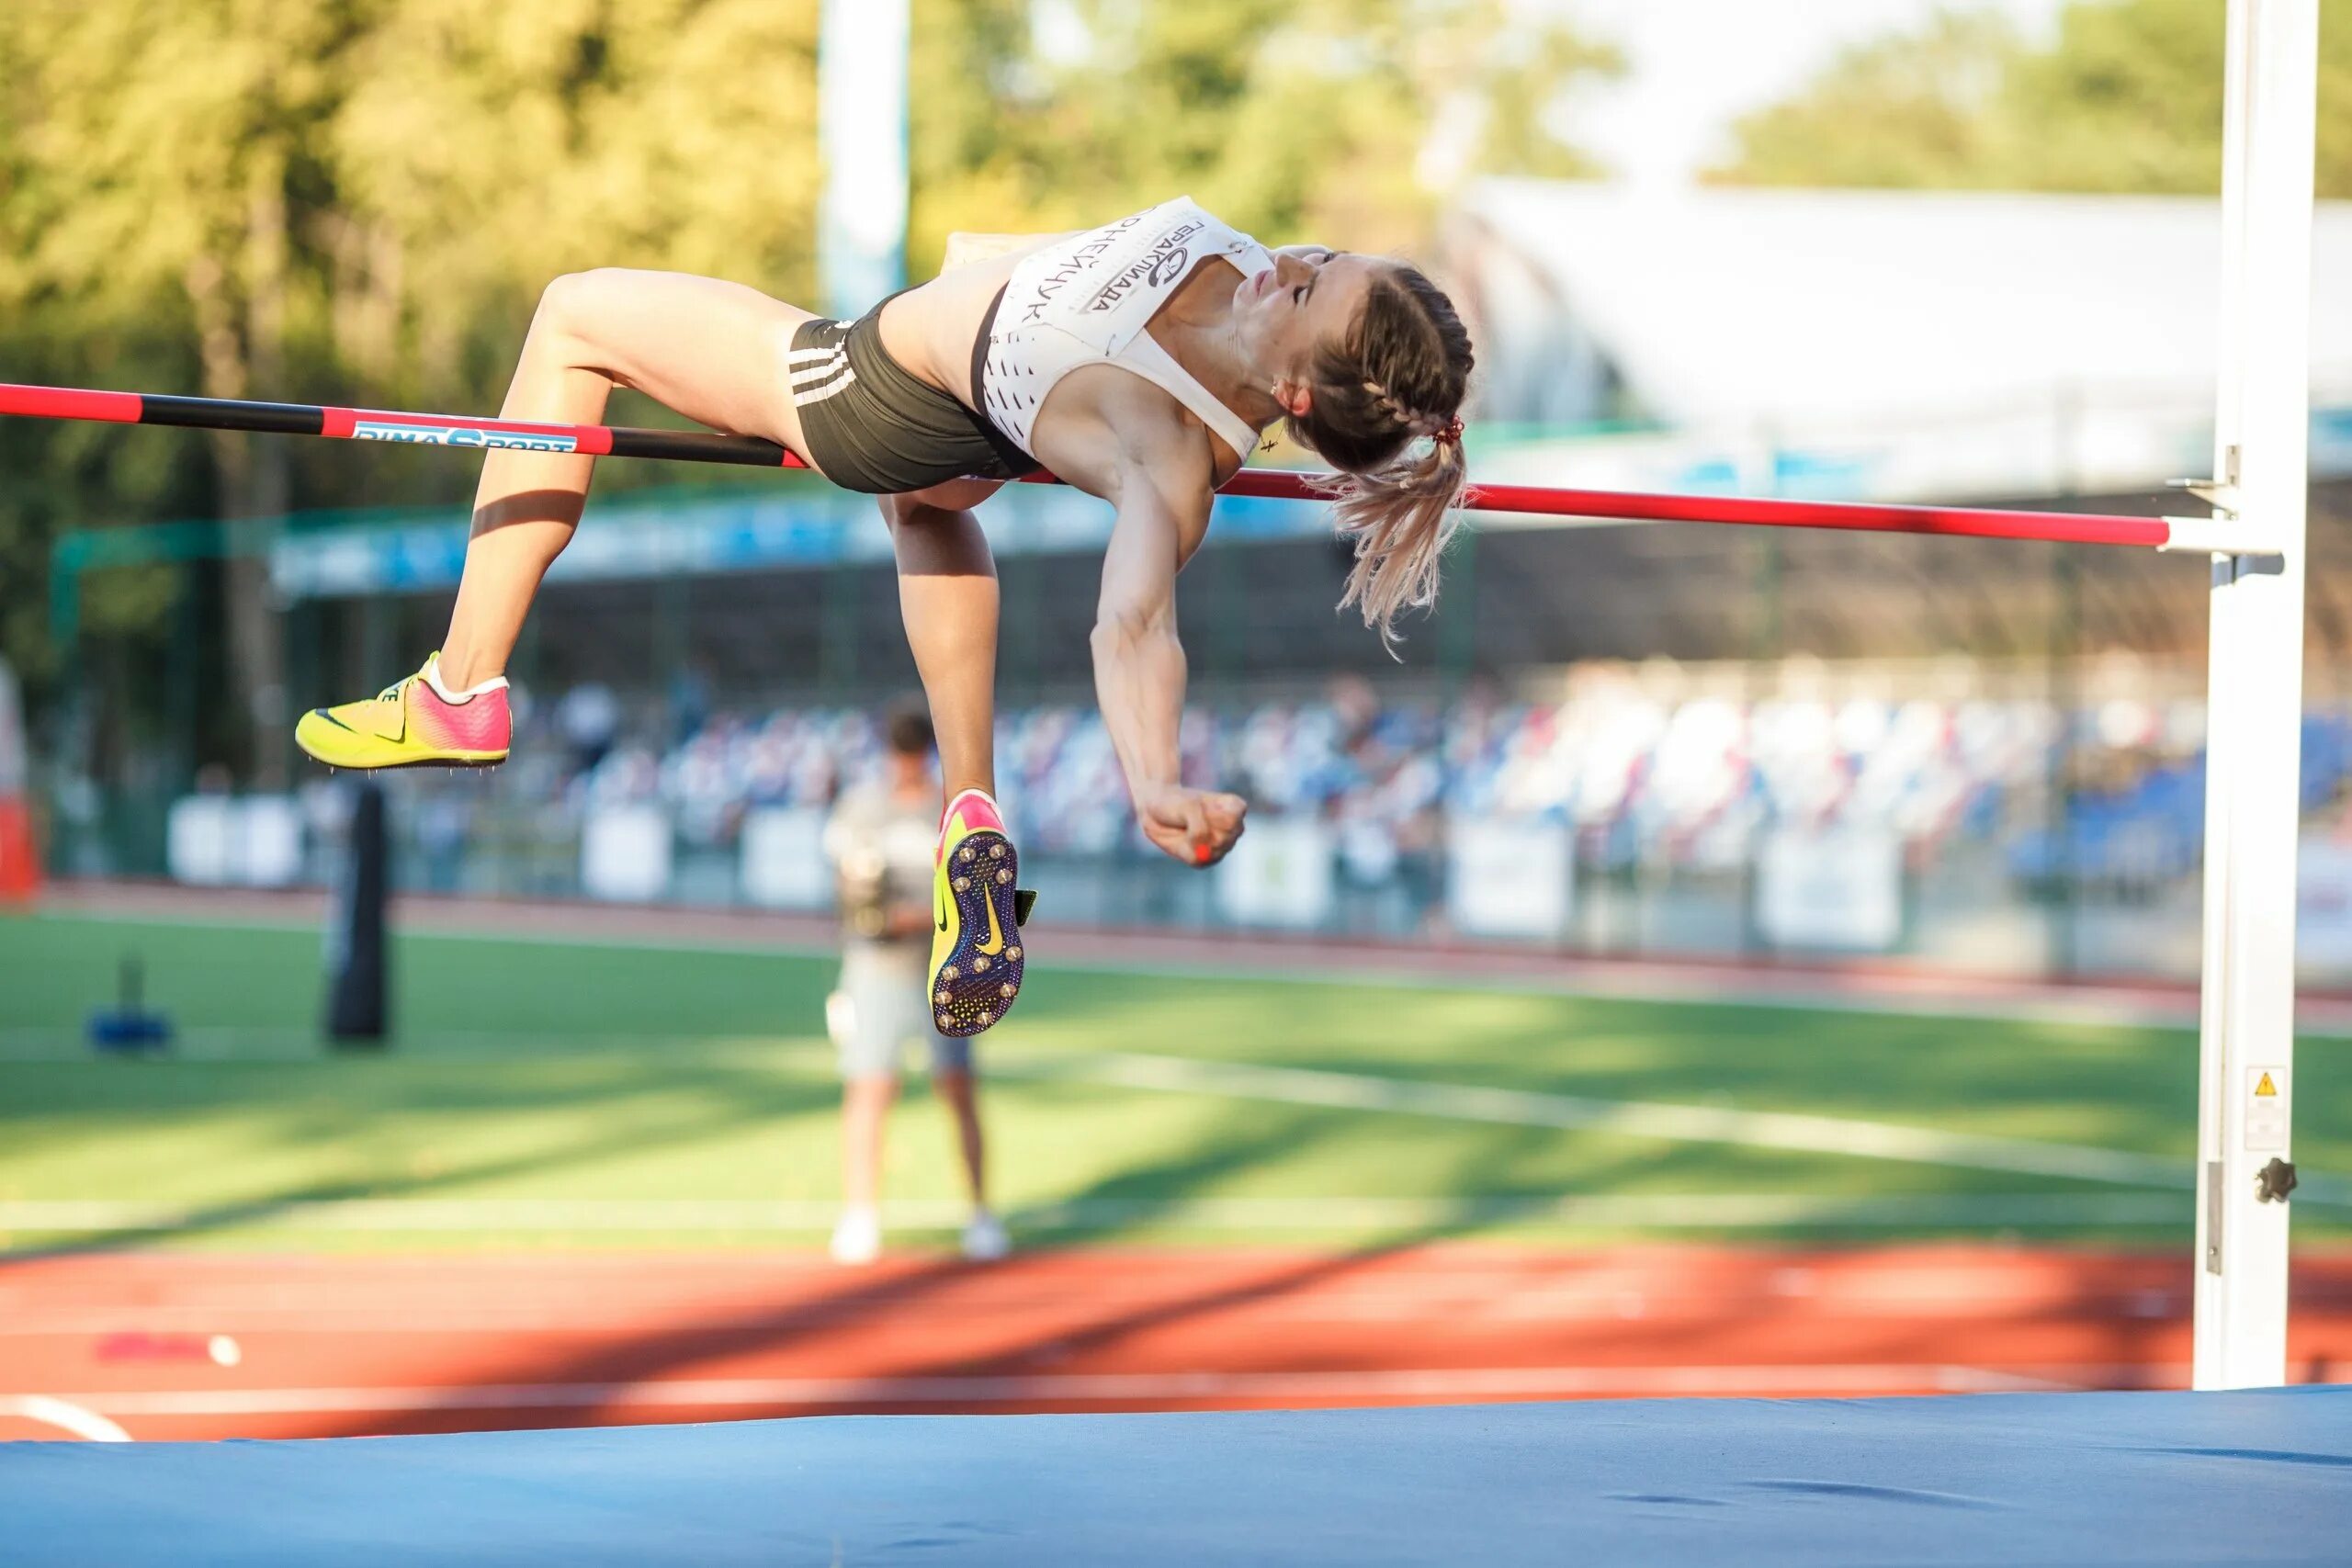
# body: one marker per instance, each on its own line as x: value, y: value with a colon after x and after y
x: 1401, y: 518
x: 1386, y: 414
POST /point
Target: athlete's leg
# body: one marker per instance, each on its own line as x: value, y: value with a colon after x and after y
x: 958, y: 1089
x: 951, y: 1077
x: 715, y: 351
x: 947, y: 596
x: 865, y: 1111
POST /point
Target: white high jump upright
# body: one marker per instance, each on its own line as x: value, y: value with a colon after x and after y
x: 2255, y: 694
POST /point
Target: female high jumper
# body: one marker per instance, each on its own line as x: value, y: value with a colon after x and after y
x: 1138, y: 361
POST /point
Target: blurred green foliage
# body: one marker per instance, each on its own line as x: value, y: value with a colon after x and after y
x: 357, y: 200
x: 1336, y: 119
x: 2126, y: 97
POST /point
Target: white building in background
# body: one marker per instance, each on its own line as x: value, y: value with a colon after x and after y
x: 1860, y: 344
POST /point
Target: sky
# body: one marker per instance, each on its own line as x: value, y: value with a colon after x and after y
x: 1694, y: 66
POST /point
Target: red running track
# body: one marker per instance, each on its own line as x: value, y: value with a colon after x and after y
x: 178, y: 1345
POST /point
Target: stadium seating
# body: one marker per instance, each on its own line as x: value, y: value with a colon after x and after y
x: 1689, y: 784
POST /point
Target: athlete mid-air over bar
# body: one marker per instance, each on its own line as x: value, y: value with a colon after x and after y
x: 1138, y: 361
x: 942, y: 392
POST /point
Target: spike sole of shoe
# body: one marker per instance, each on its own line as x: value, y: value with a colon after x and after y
x: 452, y: 763
x: 972, y: 990
x: 361, y: 752
x: 455, y: 759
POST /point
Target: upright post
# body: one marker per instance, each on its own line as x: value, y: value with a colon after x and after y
x: 862, y: 64
x: 2254, y: 698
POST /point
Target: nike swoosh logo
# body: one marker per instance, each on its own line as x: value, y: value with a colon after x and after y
x: 394, y: 730
x: 940, y: 907
x: 995, y: 944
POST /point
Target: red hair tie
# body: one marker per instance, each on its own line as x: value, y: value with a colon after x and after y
x: 1450, y: 433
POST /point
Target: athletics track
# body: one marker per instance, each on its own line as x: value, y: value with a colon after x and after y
x: 165, y: 1346
x: 180, y: 1347
x: 187, y: 1345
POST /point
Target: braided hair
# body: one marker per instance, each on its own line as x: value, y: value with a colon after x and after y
x: 1385, y: 412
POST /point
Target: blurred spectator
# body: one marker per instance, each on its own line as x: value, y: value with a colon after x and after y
x: 689, y: 702
x: 589, y: 718
x: 443, y: 819
x: 1662, y: 772
x: 880, y: 840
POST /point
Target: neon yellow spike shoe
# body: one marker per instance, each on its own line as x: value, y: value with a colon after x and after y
x: 977, y: 955
x: 413, y: 723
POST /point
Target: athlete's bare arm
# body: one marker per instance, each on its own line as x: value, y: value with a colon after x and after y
x: 1126, y: 441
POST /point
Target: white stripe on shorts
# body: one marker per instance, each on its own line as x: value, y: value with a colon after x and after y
x: 803, y: 396
x: 831, y: 381
x: 810, y: 375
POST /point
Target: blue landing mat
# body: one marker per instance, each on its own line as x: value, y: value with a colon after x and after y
x: 2082, y: 1479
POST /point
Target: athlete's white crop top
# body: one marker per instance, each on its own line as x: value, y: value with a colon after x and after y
x: 1086, y: 299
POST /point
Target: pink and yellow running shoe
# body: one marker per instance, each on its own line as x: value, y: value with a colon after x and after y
x: 413, y: 723
x: 977, y: 956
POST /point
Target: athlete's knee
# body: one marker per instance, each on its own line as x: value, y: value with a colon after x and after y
x: 575, y: 302
x: 945, y: 499
x: 562, y: 301
x: 916, y: 508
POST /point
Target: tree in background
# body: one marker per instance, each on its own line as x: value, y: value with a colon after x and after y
x: 357, y: 200
x: 1337, y: 120
x: 2125, y: 98
x: 346, y: 200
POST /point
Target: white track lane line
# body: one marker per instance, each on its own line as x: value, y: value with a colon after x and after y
x: 1648, y: 1118
x: 1672, y: 1210
x: 1793, y: 1130
x: 1692, y: 1123
x: 65, y: 1415
x: 1457, y: 1292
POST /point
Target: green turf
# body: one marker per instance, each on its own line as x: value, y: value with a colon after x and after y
x: 547, y: 1070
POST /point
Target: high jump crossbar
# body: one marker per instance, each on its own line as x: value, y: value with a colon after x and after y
x: 2203, y: 535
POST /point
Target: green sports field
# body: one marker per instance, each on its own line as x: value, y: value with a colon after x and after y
x: 565, y: 1092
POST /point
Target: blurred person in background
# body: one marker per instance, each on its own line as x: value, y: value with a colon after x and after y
x: 1141, y: 361
x: 590, y: 717
x: 689, y: 702
x: 879, y: 839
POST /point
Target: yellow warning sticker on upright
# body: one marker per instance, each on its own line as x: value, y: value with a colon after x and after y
x: 2266, y: 1109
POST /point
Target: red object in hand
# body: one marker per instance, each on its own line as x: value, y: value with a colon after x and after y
x: 1199, y: 854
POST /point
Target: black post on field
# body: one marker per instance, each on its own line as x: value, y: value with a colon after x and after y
x: 358, y: 972
x: 1767, y: 649
x: 2062, y: 957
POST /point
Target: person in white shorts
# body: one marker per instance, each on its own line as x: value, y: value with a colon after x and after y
x: 880, y: 840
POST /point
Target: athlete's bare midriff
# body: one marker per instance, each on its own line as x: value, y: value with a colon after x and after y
x: 931, y: 329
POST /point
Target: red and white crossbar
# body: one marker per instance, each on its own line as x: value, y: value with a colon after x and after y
x: 2201, y: 535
